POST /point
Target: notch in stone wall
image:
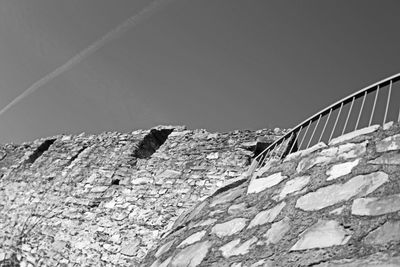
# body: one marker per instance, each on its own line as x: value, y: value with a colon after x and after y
x: 40, y: 150
x: 74, y: 157
x: 152, y: 142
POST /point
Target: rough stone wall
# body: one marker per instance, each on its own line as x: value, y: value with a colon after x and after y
x: 330, y: 205
x: 105, y: 200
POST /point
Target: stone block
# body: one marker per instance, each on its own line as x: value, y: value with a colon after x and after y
x: 351, y: 135
x: 323, y: 234
x: 260, y: 184
x: 375, y: 206
x: 267, y: 216
x: 360, y: 185
x: 234, y: 247
x: 229, y: 228
x: 388, y: 144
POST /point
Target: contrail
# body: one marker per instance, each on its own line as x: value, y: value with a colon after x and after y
x: 111, y: 35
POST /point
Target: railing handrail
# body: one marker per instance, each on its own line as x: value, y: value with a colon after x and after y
x: 337, y: 104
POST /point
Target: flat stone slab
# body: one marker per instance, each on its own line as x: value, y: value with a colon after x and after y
x: 229, y: 228
x: 277, y: 231
x: 191, y: 256
x: 388, y: 159
x: 260, y: 184
x: 341, y: 169
x: 388, y: 144
x: 227, y: 196
x: 304, y: 152
x: 294, y: 185
x: 390, y: 231
x: 164, y: 248
x: 267, y: 216
x: 237, y: 208
x: 342, y: 152
x: 192, y: 239
x: 360, y: 185
x: 234, y: 247
x: 376, y: 260
x: 354, y: 134
x: 374, y: 206
x: 321, y: 235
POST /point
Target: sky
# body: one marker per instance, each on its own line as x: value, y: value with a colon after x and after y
x: 219, y: 65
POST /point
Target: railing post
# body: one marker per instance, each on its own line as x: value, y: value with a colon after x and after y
x: 304, y: 136
x: 361, y: 109
x: 336, y: 121
x: 326, y: 123
x: 315, y: 128
x: 387, y: 102
x: 373, y: 107
x: 348, y: 115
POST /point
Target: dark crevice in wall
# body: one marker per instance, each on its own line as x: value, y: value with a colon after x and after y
x: 115, y: 182
x: 151, y: 143
x: 3, y: 154
x: 40, y: 150
x: 76, y: 155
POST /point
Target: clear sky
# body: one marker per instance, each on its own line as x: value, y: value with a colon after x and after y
x: 214, y: 64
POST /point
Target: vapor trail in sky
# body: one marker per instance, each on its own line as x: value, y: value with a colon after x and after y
x: 111, y: 35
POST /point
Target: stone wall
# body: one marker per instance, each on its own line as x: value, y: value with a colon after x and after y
x: 329, y: 205
x: 105, y: 200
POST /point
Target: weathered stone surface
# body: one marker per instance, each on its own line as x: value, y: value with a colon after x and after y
x: 360, y: 185
x: 294, y: 185
x: 304, y: 152
x: 237, y: 208
x: 227, y: 196
x: 229, y: 228
x: 389, y: 159
x: 277, y: 231
x: 390, y: 231
x: 204, y: 223
x: 111, y: 196
x: 353, y: 134
x: 374, y: 206
x: 165, y: 263
x: 260, y: 184
x: 130, y: 247
x: 321, y: 235
x: 388, y: 144
x: 191, y: 256
x: 388, y: 125
x: 326, y: 156
x: 307, y: 163
x: 341, y: 169
x: 234, y: 247
x: 376, y: 260
x: 192, y: 239
x: 164, y: 248
x: 267, y: 216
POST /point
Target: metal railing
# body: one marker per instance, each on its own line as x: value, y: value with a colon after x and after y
x: 374, y: 104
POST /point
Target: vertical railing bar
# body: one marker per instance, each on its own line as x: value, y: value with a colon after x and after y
x: 290, y: 137
x: 387, y: 102
x: 361, y: 109
x: 315, y: 128
x: 398, y: 118
x: 264, y: 158
x: 295, y: 140
x: 304, y: 136
x: 326, y: 123
x: 373, y: 107
x: 280, y: 146
x: 348, y: 115
x: 336, y: 121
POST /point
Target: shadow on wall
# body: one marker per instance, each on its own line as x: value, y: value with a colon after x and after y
x: 152, y: 142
